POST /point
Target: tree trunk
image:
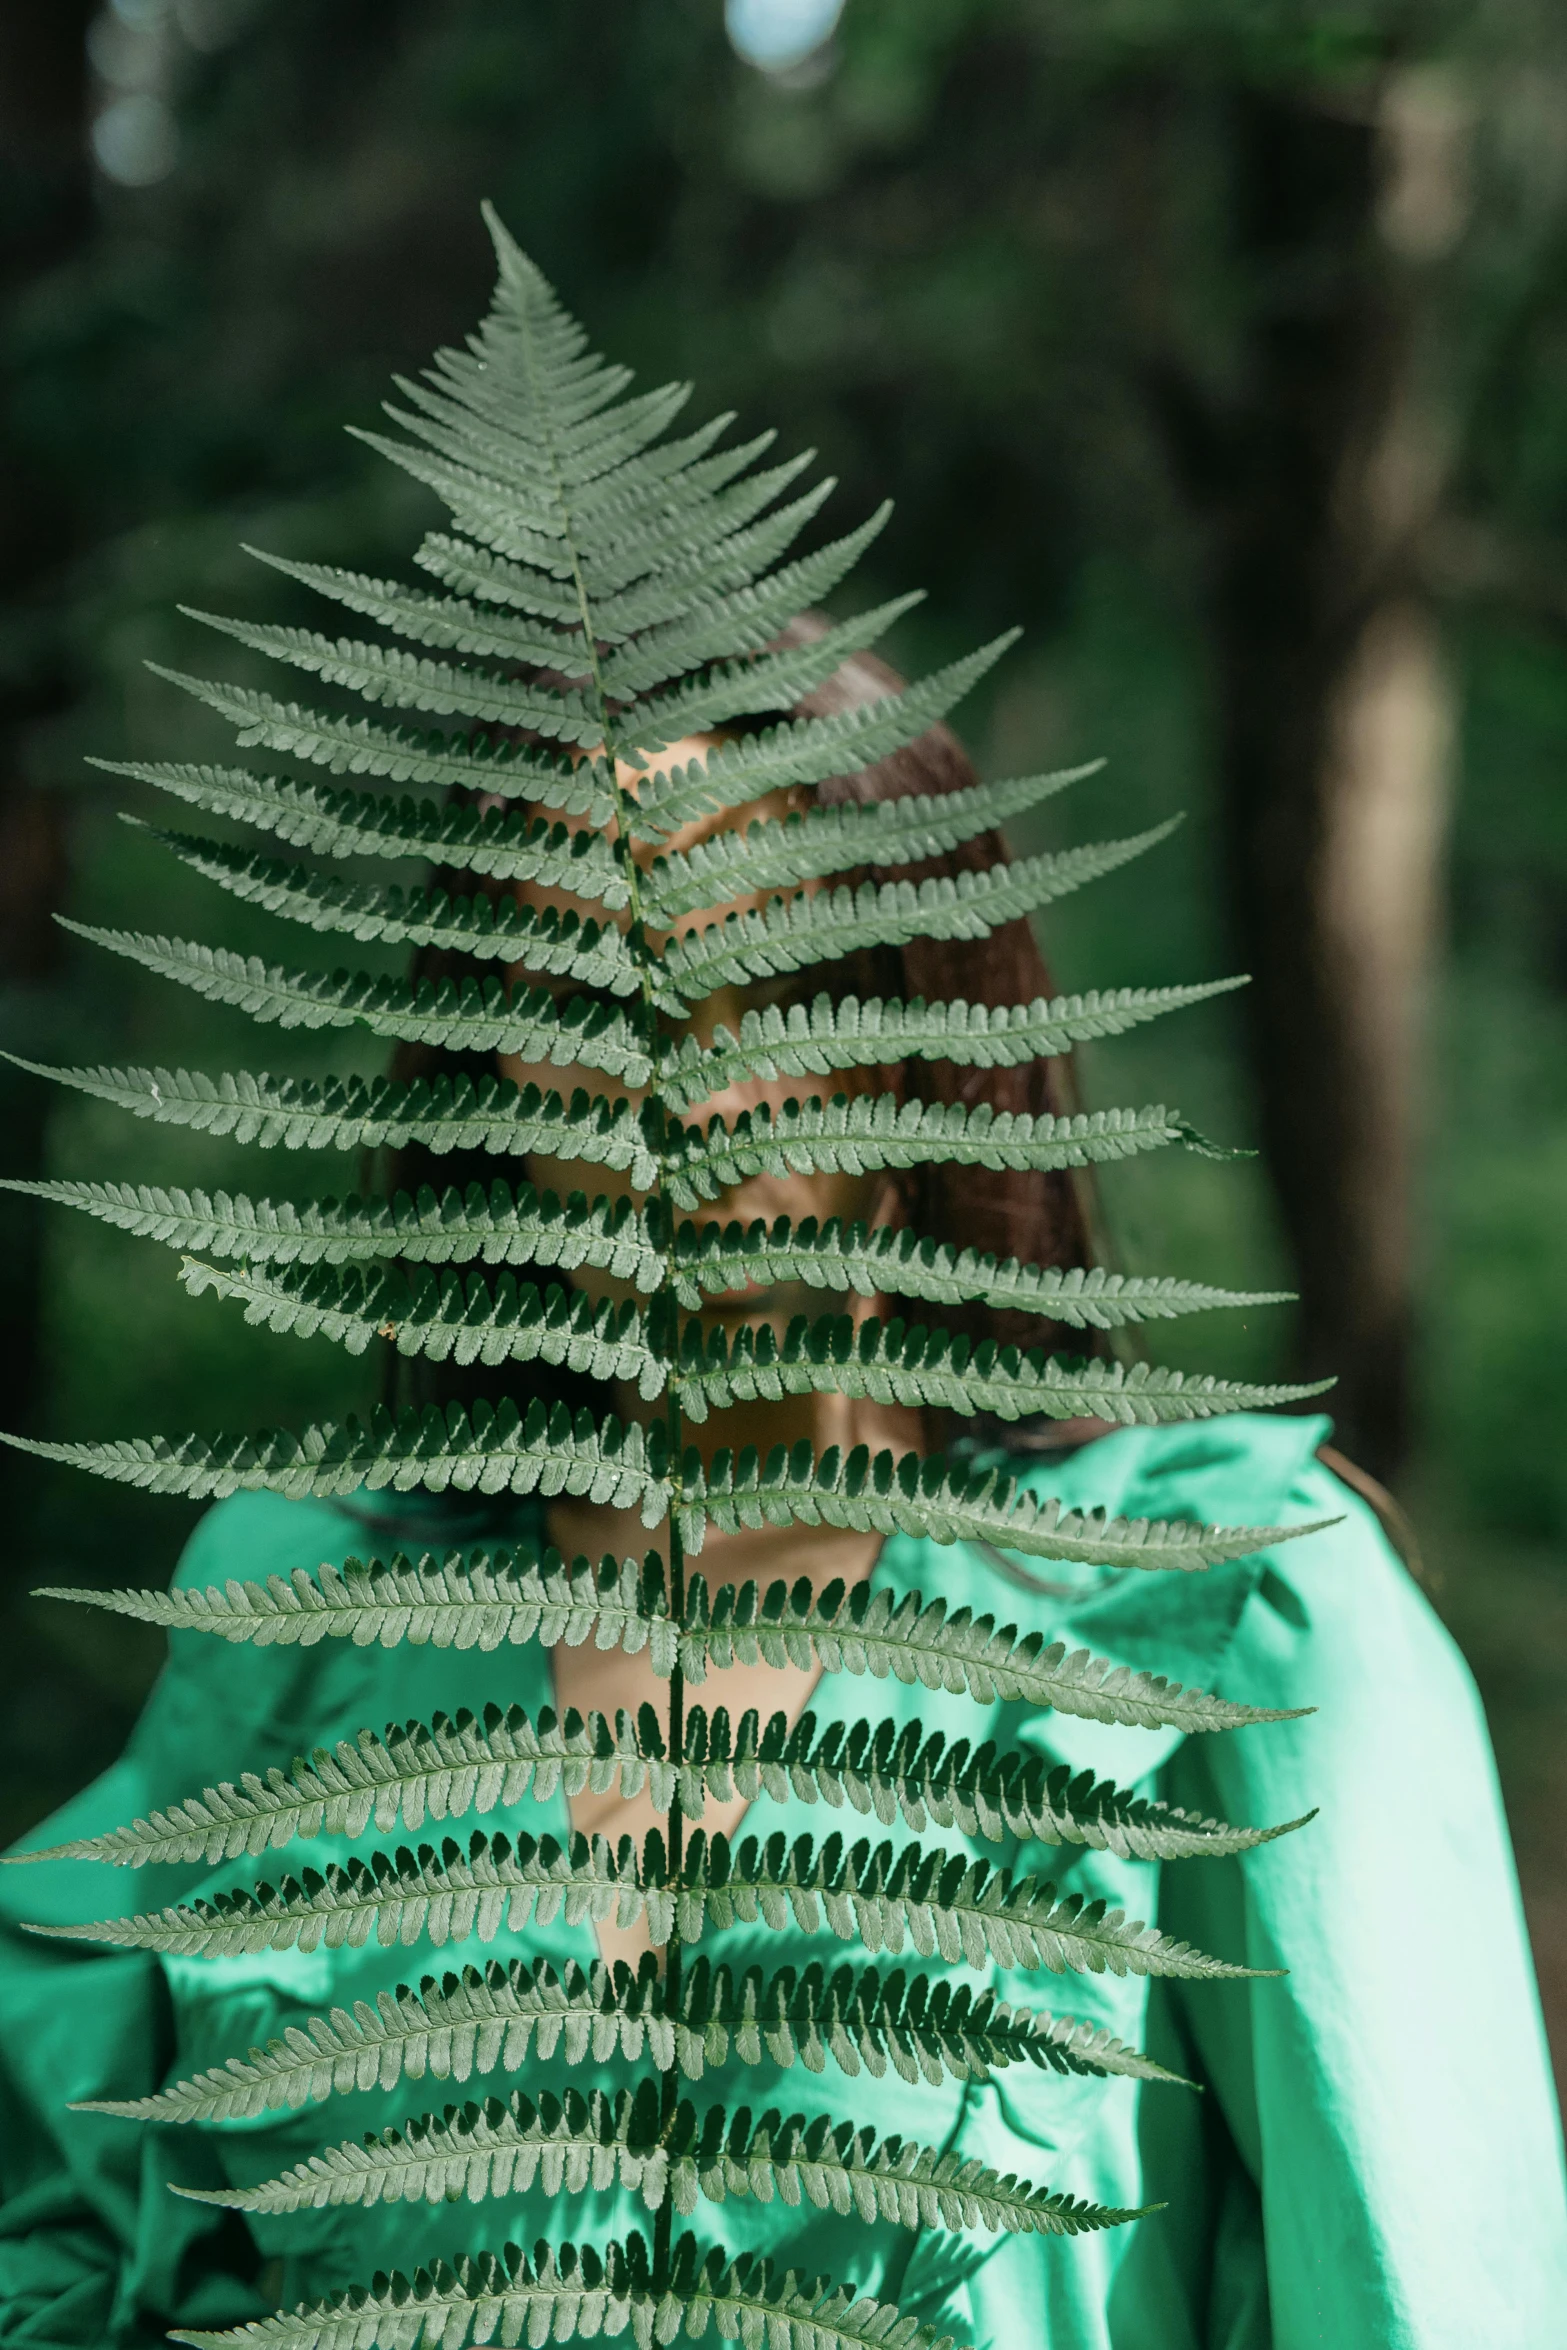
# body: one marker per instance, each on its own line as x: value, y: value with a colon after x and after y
x: 1317, y: 486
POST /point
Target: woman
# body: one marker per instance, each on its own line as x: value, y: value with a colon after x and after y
x: 1375, y: 2159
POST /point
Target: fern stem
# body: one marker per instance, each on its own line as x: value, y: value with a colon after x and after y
x: 662, y: 1331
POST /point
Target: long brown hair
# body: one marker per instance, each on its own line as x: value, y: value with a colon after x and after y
x: 1038, y: 1218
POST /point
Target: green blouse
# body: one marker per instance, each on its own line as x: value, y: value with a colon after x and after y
x: 1375, y: 2162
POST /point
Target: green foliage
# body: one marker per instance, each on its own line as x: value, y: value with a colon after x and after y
x: 497, y: 2020
x: 443, y: 1770
x: 606, y: 592
x: 479, y: 2152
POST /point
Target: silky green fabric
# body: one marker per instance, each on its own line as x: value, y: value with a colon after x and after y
x: 1375, y: 2161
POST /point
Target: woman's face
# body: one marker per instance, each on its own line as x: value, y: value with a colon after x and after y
x: 867, y: 1198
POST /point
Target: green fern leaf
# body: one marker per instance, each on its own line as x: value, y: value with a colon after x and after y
x: 476, y: 1601
x: 566, y: 2293
x: 355, y: 1113
x: 903, y: 1775
x: 405, y: 681
x: 354, y: 746
x: 834, y: 1355
x: 471, y: 1017
x: 438, y: 1770
x: 778, y: 854
x: 501, y: 1226
x: 479, y: 2022
x: 766, y: 681
x: 890, y: 1494
x: 826, y: 1037
x: 746, y: 620
x: 793, y: 933
x: 506, y: 2015
x: 505, y: 842
x: 864, y: 1134
x: 838, y: 2168
x: 489, y: 1451
x: 859, y: 1630
x: 682, y: 589
x: 443, y: 621
x: 490, y: 929
x: 446, y: 1770
x: 466, y: 1600
x: 521, y: 1225
x: 479, y: 2153
x: 442, y: 1897
x: 607, y: 588
x: 943, y: 1903
x: 808, y: 750
x: 873, y: 2019
x: 442, y: 1317
x: 712, y: 1259
x: 743, y: 622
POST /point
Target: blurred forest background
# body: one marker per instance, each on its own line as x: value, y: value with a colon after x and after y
x: 1221, y: 343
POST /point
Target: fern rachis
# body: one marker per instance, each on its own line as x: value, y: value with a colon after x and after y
x: 701, y: 1121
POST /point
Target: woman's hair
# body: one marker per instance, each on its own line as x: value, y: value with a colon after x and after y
x: 1039, y: 1218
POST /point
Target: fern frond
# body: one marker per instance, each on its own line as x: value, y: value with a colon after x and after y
x: 480, y: 1601
x: 498, y: 1227
x: 445, y: 1770
x: 942, y: 1903
x: 400, y: 1898
x: 886, y: 1493
x: 569, y: 2293
x: 406, y: 681
x: 808, y: 750
x: 356, y: 1113
x: 355, y: 746
x: 714, y: 1260
x: 793, y: 933
x: 863, y: 1134
x: 620, y: 534
x: 466, y: 1600
x: 520, y: 1225
x: 874, y: 2018
x: 479, y: 2022
x: 478, y: 2153
x: 490, y: 929
x: 727, y: 690
x: 780, y: 854
x: 862, y: 1630
x: 903, y: 1775
x: 825, y: 1037
x: 609, y: 587
x: 682, y: 589
x: 443, y: 621
x: 438, y: 1770
x: 744, y: 621
x: 835, y: 1355
x: 503, y: 2016
x: 488, y: 1451
x: 505, y: 842
x: 471, y: 1016
x: 838, y: 2168
x: 442, y: 1317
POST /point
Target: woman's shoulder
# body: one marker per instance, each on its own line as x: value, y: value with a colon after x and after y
x: 1303, y: 1616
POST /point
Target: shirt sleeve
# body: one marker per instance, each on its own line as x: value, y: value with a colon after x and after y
x: 94, y: 2249
x: 1390, y: 2097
